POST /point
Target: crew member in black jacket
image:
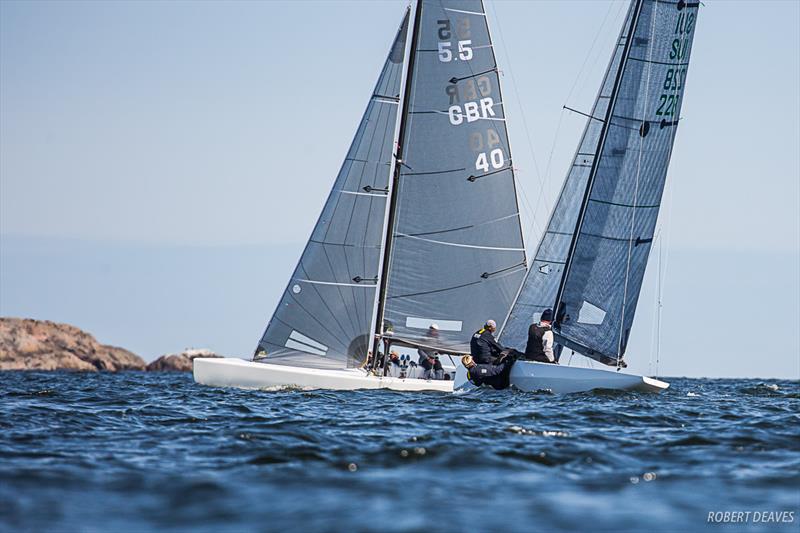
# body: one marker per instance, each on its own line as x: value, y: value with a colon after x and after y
x: 484, y: 347
x: 494, y: 375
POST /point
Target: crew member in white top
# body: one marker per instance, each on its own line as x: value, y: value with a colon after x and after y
x: 540, y: 340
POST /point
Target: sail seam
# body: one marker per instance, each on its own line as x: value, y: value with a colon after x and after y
x: 474, y: 178
x: 325, y: 243
x: 650, y: 61
x: 433, y: 172
x: 655, y: 206
x: 463, y: 11
x: 336, y: 283
x: 619, y: 239
x: 438, y: 112
x: 482, y: 280
x: 464, y: 227
x: 384, y: 100
x: 361, y: 193
x: 458, y: 245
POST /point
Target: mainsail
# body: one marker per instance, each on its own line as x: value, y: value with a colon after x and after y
x: 325, y: 315
x: 457, y: 255
x: 422, y: 225
x: 591, y: 261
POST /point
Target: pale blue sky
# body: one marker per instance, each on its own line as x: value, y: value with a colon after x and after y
x: 161, y: 164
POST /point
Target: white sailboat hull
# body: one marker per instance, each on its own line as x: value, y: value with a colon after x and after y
x: 230, y: 372
x: 526, y: 376
x: 530, y: 376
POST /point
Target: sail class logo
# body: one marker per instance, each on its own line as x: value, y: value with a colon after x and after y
x: 746, y: 517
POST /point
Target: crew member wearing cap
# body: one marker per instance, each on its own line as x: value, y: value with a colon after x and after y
x: 540, y: 339
x: 429, y: 357
x: 496, y: 376
x: 484, y: 347
x: 392, y: 365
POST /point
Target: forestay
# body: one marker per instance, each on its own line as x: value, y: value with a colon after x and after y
x: 602, y: 228
x: 324, y: 318
x: 457, y: 254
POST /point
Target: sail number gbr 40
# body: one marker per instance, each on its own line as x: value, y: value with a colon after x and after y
x: 470, y: 100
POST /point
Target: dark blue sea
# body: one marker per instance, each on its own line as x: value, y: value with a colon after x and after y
x: 141, y: 452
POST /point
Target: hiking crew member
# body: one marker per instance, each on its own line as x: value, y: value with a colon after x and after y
x: 494, y: 375
x: 429, y: 358
x: 484, y: 347
x: 540, y: 340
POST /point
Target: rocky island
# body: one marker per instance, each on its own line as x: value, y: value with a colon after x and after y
x: 179, y: 362
x: 27, y: 344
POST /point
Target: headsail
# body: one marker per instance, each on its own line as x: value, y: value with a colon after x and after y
x: 457, y: 255
x: 325, y: 315
x: 547, y: 267
x: 591, y: 261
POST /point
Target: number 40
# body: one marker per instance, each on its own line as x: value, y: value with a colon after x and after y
x: 495, y: 158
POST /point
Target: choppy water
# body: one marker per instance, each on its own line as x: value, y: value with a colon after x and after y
x: 137, y: 451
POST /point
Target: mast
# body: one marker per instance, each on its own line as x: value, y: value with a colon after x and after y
x: 392, y: 207
x: 593, y: 172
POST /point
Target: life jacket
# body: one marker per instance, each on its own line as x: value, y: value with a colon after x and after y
x: 535, y: 347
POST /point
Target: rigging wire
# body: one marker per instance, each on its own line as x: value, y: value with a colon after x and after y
x: 592, y: 49
x: 659, y: 292
x: 667, y: 229
x: 653, y: 324
x: 595, y: 51
x: 653, y: 18
x: 532, y: 208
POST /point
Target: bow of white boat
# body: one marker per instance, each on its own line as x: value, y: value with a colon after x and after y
x: 560, y: 379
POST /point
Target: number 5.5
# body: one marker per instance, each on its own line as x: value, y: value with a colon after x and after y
x: 444, y: 29
x: 464, y: 50
x: 445, y: 54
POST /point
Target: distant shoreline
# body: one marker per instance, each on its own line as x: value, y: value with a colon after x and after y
x: 31, y: 345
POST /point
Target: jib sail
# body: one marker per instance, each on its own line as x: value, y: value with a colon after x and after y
x: 325, y: 316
